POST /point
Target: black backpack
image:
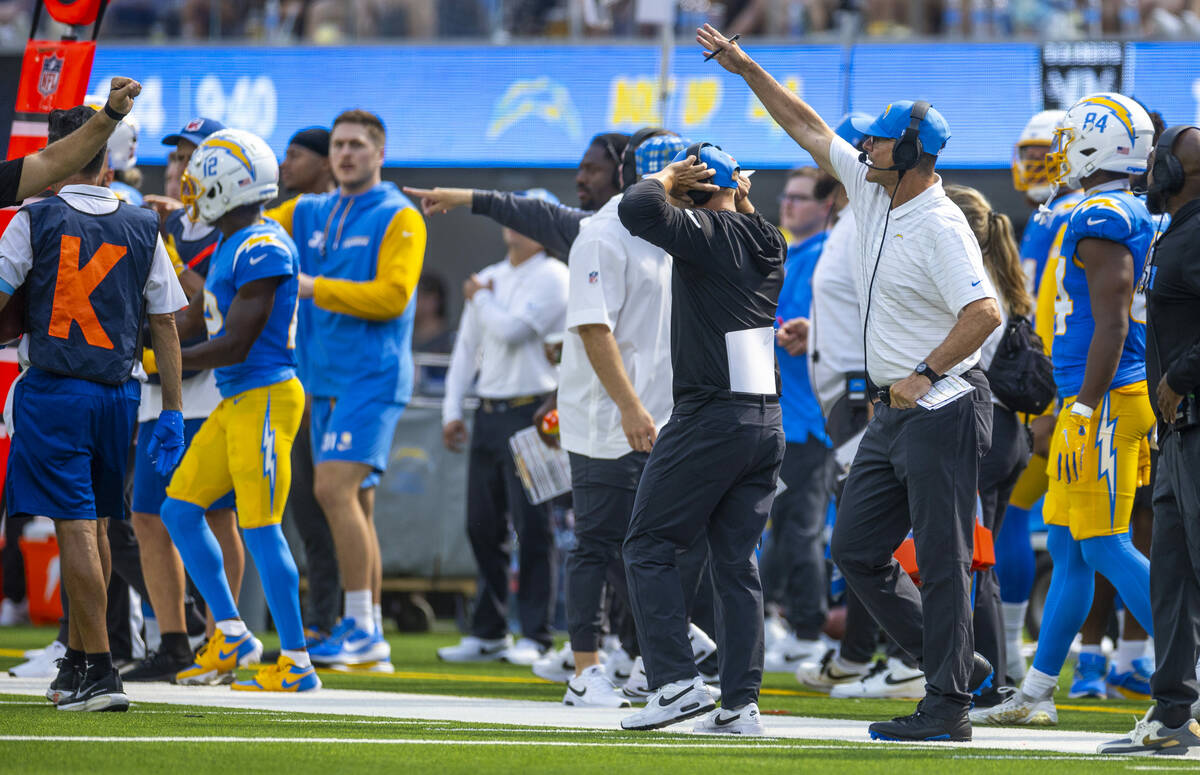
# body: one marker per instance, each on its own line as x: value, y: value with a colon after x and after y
x: 1021, y: 374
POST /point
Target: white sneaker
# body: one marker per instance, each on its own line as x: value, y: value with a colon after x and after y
x: 1019, y: 709
x: 472, y: 649
x: 41, y: 666
x: 619, y: 665
x: 740, y: 721
x: 525, y: 652
x: 775, y: 630
x: 791, y: 652
x: 637, y: 688
x: 829, y: 671
x: 703, y: 646
x: 557, y: 666
x: 13, y: 614
x: 670, y: 704
x: 887, y: 679
x: 593, y: 689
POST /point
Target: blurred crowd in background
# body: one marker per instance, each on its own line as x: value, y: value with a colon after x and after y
x: 341, y: 21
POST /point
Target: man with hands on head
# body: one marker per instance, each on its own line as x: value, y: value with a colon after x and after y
x: 927, y: 306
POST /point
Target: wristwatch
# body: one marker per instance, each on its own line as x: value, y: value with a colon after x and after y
x: 925, y: 371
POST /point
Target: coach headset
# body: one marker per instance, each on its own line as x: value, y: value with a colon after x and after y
x: 1167, y: 171
x: 699, y: 197
x: 625, y: 173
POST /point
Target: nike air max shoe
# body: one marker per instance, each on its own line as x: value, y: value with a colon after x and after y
x: 472, y: 649
x: 283, y: 676
x: 557, y: 666
x: 738, y: 721
x: 790, y: 653
x: 99, y: 694
x: 217, y: 659
x: 829, y: 672
x: 1151, y: 738
x: 675, y: 702
x: 592, y: 688
x: 891, y: 678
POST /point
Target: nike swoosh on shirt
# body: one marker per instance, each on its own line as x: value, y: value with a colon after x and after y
x: 1094, y: 221
x: 664, y: 701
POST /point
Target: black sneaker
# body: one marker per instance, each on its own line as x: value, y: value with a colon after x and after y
x: 922, y: 726
x: 981, y: 675
x: 66, y: 682
x: 98, y: 694
x: 159, y: 666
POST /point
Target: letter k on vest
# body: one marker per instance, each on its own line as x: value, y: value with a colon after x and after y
x: 73, y: 290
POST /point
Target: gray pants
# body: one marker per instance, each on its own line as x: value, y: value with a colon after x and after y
x: 713, y: 471
x: 919, y: 470
x: 1175, y: 576
x: 793, y: 561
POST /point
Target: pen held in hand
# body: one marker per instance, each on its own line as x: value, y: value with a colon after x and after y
x: 712, y: 54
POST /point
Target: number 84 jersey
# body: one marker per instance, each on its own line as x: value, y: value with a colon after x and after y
x: 258, y: 251
x: 1116, y: 216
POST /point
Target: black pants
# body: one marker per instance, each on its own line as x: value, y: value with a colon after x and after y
x: 713, y: 471
x: 919, y: 470
x: 324, y: 585
x: 1175, y: 577
x: 998, y: 473
x: 494, y: 495
x: 11, y: 558
x: 793, y: 562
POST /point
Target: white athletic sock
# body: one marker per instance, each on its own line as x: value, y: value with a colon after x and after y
x: 1014, y: 621
x: 358, y: 608
x: 377, y: 610
x: 1127, y: 651
x: 1095, y: 649
x: 846, y: 666
x: 232, y: 628
x: 299, y: 657
x: 1037, y: 684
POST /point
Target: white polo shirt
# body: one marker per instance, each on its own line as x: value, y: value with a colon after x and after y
x: 623, y: 282
x: 501, y: 331
x: 930, y: 268
x: 835, y: 340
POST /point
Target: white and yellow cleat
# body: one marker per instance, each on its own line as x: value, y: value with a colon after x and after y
x: 284, y: 676
x: 217, y: 659
x: 1019, y: 710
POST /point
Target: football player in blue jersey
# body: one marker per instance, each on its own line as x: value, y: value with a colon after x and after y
x: 1096, y: 451
x: 249, y: 308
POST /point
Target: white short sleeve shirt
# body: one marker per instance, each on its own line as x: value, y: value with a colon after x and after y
x: 929, y: 268
x: 622, y: 282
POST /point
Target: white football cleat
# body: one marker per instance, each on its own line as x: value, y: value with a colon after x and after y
x: 703, y: 646
x: 472, y: 649
x: 670, y: 704
x: 525, y: 652
x: 829, y: 672
x: 739, y: 721
x: 1019, y: 710
x: 890, y: 679
x: 41, y: 666
x: 790, y: 653
x: 557, y: 666
x: 591, y: 688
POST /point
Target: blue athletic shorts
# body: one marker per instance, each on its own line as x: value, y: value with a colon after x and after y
x: 355, y: 428
x: 70, y: 446
x: 149, y: 488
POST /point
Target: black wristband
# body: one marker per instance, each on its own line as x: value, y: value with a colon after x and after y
x: 114, y: 115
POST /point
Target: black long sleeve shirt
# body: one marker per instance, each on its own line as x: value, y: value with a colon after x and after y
x: 1172, y: 287
x: 553, y: 226
x: 10, y: 181
x: 728, y: 271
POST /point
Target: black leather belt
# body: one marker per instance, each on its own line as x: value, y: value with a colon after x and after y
x: 491, y: 405
x: 758, y: 398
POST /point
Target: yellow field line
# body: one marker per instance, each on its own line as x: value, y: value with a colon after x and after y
x: 1097, y: 709
x: 12, y: 652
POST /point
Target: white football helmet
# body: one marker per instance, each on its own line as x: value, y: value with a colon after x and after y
x: 1103, y: 131
x: 1029, y: 174
x: 231, y: 168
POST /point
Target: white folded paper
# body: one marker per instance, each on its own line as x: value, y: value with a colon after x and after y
x: 751, y: 356
x: 945, y: 391
x: 545, y: 472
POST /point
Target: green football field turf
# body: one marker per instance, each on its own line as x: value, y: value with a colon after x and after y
x: 172, y: 737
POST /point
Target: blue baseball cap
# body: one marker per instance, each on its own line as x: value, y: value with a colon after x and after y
x: 539, y: 193
x: 846, y: 130
x: 657, y: 152
x: 716, y: 159
x: 194, y: 131
x: 894, y: 120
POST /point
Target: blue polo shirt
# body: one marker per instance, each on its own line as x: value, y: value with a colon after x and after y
x: 802, y: 416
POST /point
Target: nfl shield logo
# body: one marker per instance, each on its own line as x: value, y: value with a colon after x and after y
x: 51, y: 71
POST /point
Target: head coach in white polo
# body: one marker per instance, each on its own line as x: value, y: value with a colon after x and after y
x: 927, y: 306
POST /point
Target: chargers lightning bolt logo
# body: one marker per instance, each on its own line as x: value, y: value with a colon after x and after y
x: 268, y: 453
x: 1107, y: 463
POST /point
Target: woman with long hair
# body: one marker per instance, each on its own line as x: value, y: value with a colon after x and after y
x: 1004, y: 462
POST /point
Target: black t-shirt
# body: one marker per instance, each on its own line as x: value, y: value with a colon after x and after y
x: 10, y: 181
x: 728, y: 271
x: 1171, y: 283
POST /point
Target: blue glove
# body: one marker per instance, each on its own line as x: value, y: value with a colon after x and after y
x: 166, y: 444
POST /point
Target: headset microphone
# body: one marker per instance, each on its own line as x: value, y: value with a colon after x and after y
x: 864, y: 159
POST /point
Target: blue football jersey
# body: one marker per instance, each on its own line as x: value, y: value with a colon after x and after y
x: 1116, y: 216
x: 261, y: 250
x: 1037, y: 241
